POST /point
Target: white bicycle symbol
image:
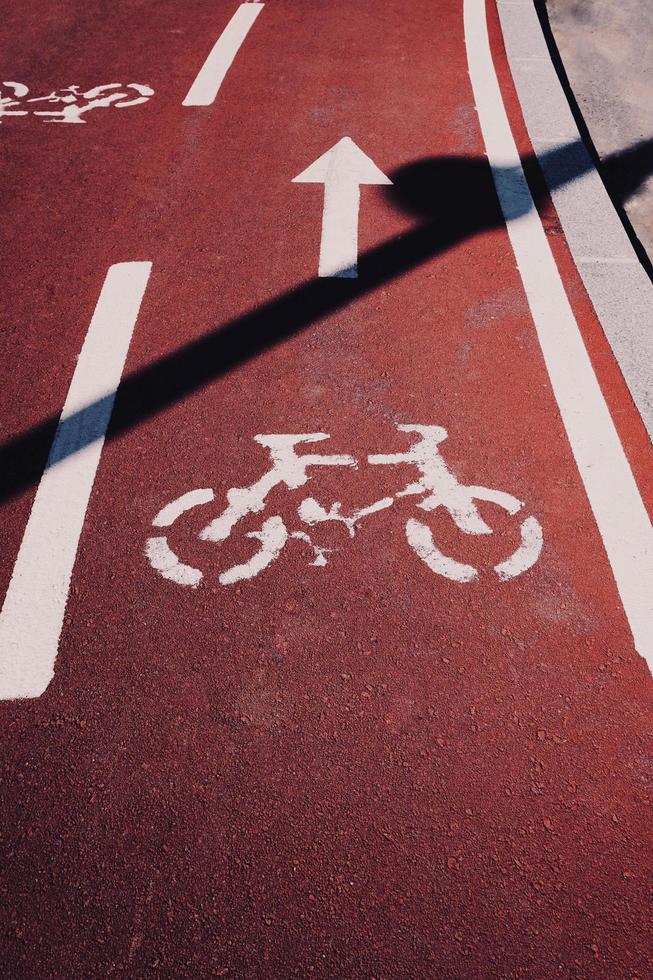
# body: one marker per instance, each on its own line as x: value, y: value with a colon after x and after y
x: 73, y: 103
x: 437, y: 486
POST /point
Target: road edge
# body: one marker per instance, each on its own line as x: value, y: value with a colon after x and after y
x: 616, y: 281
x: 552, y: 36
x: 612, y: 492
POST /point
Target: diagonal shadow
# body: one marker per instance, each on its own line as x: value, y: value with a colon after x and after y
x: 454, y: 198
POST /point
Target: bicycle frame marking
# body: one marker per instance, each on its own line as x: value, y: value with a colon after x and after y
x: 436, y: 484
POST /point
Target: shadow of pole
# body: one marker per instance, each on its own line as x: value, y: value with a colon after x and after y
x: 454, y: 198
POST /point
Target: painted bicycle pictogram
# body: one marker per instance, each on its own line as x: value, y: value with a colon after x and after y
x: 436, y: 485
x: 69, y: 104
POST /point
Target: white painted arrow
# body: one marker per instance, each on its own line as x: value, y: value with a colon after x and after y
x: 342, y: 170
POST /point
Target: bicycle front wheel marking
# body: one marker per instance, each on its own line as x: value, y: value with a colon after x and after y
x: 526, y: 554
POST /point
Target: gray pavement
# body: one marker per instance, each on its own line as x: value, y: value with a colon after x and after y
x: 615, y: 275
x: 607, y: 51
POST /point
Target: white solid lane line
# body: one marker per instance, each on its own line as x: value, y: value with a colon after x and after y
x: 33, y: 610
x: 342, y: 170
x: 615, y: 500
x: 207, y: 84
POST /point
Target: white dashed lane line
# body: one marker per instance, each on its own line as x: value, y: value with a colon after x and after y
x: 211, y: 76
x: 35, y: 603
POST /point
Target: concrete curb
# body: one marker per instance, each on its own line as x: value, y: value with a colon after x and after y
x: 618, y: 285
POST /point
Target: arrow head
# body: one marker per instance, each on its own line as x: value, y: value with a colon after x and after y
x: 344, y: 162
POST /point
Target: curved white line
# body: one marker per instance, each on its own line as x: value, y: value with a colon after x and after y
x: 618, y: 508
x: 163, y: 559
x: 421, y: 541
x: 273, y: 536
x: 169, y: 514
x: 526, y: 554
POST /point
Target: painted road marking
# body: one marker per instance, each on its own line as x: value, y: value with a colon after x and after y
x: 159, y: 553
x: 207, y: 84
x: 615, y: 500
x: 33, y: 610
x: 437, y: 486
x: 71, y: 109
x: 342, y: 170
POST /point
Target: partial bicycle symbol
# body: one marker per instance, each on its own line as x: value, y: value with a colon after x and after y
x: 72, y: 104
x: 436, y: 486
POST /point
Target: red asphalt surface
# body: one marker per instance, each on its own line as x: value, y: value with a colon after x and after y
x: 363, y: 770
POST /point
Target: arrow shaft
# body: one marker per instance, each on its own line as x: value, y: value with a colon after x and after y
x: 339, y: 244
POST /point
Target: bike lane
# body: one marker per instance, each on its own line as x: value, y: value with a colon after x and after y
x: 364, y: 768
